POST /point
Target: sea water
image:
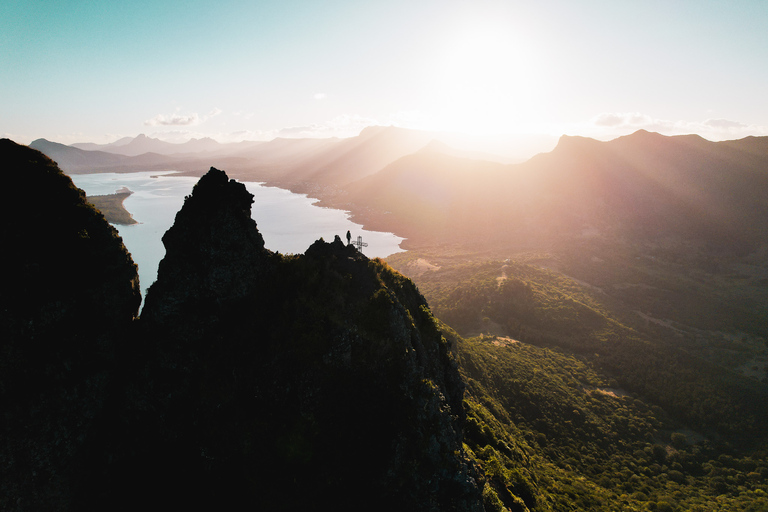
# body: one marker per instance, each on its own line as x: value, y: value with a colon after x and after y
x: 289, y: 222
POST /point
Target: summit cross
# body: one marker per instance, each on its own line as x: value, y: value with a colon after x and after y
x: 359, y: 244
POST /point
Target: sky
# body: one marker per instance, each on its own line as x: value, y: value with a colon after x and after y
x: 96, y: 71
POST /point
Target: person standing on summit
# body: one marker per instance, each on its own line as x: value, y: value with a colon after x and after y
x: 349, y: 237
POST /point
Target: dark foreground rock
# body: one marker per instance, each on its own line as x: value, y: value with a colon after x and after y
x: 251, y: 380
x: 68, y: 297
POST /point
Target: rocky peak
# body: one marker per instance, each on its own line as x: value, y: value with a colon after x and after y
x: 214, y: 252
x: 304, y: 380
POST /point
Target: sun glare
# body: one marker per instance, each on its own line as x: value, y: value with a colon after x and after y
x: 486, y: 81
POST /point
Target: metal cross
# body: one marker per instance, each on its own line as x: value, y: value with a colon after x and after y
x: 359, y: 244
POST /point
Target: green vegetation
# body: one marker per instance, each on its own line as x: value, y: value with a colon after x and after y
x: 575, y: 400
x: 545, y: 308
x: 549, y: 430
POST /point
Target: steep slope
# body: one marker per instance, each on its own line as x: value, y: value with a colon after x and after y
x: 69, y: 294
x: 284, y: 382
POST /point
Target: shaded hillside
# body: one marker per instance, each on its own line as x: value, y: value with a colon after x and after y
x: 67, y: 301
x: 252, y: 379
x: 644, y: 186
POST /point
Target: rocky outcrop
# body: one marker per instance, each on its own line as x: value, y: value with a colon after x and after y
x: 68, y: 296
x: 284, y: 383
x: 214, y: 258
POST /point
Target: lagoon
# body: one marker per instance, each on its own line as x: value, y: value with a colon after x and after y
x: 289, y: 222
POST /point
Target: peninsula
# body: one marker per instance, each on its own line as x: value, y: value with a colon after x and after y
x: 111, y: 205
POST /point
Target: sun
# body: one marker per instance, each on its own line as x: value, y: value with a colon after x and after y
x: 486, y: 80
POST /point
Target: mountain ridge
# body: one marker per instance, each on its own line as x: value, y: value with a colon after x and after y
x: 643, y: 183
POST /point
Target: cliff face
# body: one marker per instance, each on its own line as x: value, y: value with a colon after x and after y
x: 69, y: 292
x: 284, y: 382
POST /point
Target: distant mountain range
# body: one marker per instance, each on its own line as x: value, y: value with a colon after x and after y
x: 408, y: 182
x: 142, y: 144
x: 330, y: 161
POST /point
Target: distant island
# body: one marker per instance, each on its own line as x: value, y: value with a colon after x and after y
x: 111, y: 205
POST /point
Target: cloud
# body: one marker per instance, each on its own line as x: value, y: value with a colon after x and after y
x: 173, y: 120
x: 192, y: 119
x: 724, y: 123
x: 615, y: 119
x: 320, y: 96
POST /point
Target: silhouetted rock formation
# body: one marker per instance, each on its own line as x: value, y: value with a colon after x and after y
x: 252, y: 379
x: 214, y: 253
x: 288, y: 382
x: 69, y: 293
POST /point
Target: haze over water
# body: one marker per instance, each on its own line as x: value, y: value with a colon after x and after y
x: 289, y: 222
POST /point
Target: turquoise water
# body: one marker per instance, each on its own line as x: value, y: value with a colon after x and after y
x: 289, y: 222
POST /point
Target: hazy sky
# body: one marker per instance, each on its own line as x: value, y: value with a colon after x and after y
x: 97, y: 70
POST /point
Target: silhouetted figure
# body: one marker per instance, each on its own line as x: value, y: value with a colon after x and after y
x: 349, y: 237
